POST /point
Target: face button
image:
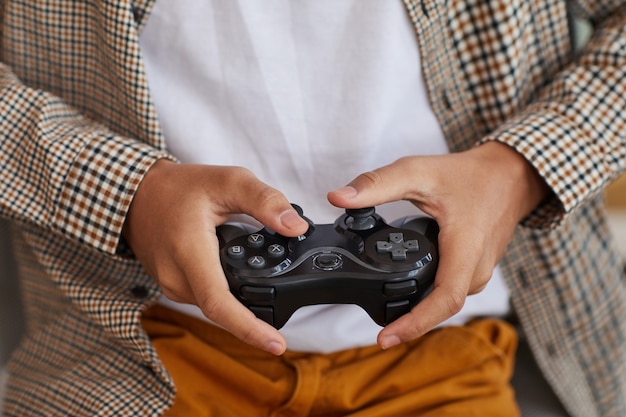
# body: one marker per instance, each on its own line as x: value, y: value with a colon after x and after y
x: 256, y: 262
x: 256, y: 240
x: 236, y: 252
x: 275, y: 250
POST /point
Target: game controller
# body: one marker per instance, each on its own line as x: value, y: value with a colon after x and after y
x: 360, y: 259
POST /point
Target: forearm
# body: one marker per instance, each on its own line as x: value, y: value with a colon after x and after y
x: 62, y: 171
x: 573, y: 132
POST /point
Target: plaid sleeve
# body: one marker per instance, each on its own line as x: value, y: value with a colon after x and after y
x: 62, y: 171
x: 574, y: 132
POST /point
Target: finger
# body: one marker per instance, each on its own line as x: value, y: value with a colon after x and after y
x: 457, y: 266
x: 388, y: 183
x: 268, y: 205
x: 212, y: 294
x: 224, y: 309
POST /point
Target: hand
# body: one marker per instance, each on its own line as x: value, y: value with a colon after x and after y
x: 477, y: 197
x: 171, y: 228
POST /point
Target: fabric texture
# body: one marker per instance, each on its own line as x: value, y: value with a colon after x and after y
x: 453, y: 371
x: 79, y: 130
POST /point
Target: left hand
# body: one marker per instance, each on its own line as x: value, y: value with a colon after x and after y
x: 477, y: 197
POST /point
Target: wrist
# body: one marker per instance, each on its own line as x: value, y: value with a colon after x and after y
x: 143, y: 192
x: 523, y: 179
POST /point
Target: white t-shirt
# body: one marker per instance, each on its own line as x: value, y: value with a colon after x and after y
x: 307, y: 95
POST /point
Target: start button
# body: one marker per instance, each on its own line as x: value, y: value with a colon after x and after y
x: 327, y: 261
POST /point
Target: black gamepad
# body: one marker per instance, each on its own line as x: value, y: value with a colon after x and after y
x: 359, y: 260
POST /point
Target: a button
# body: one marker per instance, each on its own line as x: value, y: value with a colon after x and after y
x: 394, y: 289
x: 327, y: 261
x: 256, y: 240
x: 395, y: 309
x: 265, y: 313
x: 251, y: 293
x: 236, y: 252
x: 256, y: 262
x: 275, y: 250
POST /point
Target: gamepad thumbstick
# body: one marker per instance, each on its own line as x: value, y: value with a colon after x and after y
x: 361, y: 218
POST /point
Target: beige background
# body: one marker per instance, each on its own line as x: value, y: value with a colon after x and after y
x: 616, y: 194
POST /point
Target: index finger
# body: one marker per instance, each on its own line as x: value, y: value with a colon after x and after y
x: 457, y: 264
x: 206, y: 278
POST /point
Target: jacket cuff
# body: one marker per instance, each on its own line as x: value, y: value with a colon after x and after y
x: 562, y: 156
x: 99, y: 188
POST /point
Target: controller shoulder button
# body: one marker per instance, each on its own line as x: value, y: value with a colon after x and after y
x: 265, y: 313
x: 394, y: 289
x: 395, y: 309
x: 251, y: 293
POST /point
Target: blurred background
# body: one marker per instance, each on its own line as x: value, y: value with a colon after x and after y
x: 616, y: 205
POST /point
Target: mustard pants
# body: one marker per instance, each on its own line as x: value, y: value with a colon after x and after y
x: 452, y: 371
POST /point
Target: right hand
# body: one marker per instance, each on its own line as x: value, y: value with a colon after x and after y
x: 171, y: 228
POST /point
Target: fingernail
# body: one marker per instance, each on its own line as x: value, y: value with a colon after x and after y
x: 347, y: 191
x: 275, y: 348
x: 390, y: 341
x: 290, y: 219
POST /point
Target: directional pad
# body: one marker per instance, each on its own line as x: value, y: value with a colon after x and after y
x: 396, y: 246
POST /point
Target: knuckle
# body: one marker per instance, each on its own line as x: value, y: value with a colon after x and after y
x: 455, y: 300
x: 233, y: 176
x: 479, y: 285
x: 174, y: 294
x: 242, y: 172
x: 418, y: 328
x: 247, y: 335
x: 405, y: 161
x: 269, y: 196
x: 211, y: 307
x: 372, y: 177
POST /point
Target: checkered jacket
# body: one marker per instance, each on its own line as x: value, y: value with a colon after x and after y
x: 78, y: 130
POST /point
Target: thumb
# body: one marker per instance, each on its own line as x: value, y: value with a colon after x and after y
x: 372, y: 188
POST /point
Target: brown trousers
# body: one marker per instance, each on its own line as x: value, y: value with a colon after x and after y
x: 452, y: 371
